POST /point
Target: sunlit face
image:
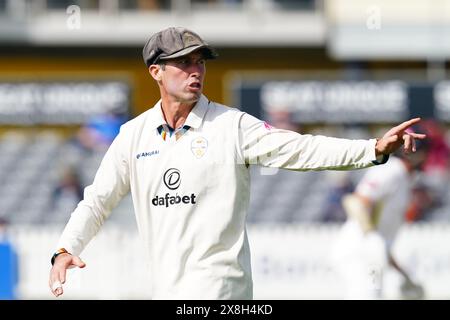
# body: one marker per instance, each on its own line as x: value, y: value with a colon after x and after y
x: 182, y: 78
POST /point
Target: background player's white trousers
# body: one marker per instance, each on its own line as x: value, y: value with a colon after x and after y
x: 359, y: 260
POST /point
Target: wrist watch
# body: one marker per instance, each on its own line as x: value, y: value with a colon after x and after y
x: 383, y: 160
x: 57, y: 253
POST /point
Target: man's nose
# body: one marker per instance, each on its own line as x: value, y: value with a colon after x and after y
x: 196, y: 69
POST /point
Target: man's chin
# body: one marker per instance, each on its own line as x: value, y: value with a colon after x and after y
x: 192, y: 97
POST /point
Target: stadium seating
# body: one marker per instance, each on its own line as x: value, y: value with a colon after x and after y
x: 32, y: 166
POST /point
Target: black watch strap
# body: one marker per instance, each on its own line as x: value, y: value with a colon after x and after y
x: 383, y: 160
x: 57, y: 253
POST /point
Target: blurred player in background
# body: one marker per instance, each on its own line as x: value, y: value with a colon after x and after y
x: 375, y: 212
x: 186, y: 162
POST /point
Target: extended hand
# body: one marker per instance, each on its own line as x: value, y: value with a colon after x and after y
x: 398, y: 136
x: 58, y: 272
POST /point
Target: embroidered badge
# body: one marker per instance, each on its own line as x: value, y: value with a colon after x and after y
x: 199, y: 145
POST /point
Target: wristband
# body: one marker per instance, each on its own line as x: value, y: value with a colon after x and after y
x: 383, y: 160
x: 57, y: 253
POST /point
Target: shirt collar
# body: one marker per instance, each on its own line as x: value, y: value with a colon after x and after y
x: 194, y: 119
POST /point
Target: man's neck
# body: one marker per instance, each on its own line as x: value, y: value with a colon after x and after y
x: 175, y: 113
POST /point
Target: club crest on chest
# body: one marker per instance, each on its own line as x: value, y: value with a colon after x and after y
x: 199, y: 145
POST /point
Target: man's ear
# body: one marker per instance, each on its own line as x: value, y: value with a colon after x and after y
x: 155, y: 71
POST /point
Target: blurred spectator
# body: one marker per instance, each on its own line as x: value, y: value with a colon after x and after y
x: 341, y: 185
x: 99, y: 132
x: 69, y: 186
x: 148, y: 4
x: 438, y: 158
x: 433, y: 189
x: 422, y: 201
x: 61, y: 4
x: 282, y: 119
x: 296, y: 4
x: 216, y: 2
x: 145, y: 5
x: 8, y: 265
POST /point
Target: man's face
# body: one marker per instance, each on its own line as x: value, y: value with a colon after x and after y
x: 182, y: 78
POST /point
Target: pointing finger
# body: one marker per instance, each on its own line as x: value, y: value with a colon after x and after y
x: 405, y: 125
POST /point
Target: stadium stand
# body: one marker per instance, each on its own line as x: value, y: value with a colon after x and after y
x: 32, y: 167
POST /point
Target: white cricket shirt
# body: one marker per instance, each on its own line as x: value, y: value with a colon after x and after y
x: 389, y: 189
x: 191, y: 194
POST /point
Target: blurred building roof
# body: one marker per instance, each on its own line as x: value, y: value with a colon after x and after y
x: 130, y: 23
x: 348, y: 29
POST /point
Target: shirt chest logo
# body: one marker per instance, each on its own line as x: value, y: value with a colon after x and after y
x: 199, y: 145
x: 146, y: 154
x: 172, y: 180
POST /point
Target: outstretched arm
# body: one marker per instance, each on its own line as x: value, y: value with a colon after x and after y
x: 261, y: 144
